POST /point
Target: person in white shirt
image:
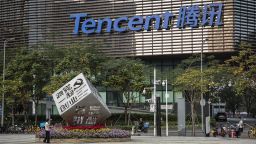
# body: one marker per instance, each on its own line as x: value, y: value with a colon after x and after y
x: 47, y: 131
x: 240, y: 126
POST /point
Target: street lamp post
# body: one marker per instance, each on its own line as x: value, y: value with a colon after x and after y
x: 208, y: 120
x: 154, y: 101
x: 209, y: 102
x: 164, y: 83
x: 34, y: 109
x: 2, y: 117
x: 202, y: 97
x: 219, y: 103
x: 34, y: 97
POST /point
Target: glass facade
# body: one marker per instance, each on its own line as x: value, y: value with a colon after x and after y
x: 47, y: 21
x: 245, y: 21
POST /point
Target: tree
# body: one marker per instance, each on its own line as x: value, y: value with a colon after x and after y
x: 75, y: 59
x: 244, y: 65
x: 221, y: 86
x: 31, y: 71
x: 190, y: 83
x: 11, y: 96
x: 127, y: 76
x: 57, y: 81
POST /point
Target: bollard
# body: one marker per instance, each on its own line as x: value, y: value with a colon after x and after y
x: 232, y: 135
x: 158, y: 116
x: 132, y: 133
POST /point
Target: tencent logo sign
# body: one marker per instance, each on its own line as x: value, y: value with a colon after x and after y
x: 189, y: 16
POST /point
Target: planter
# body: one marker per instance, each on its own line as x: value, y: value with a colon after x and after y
x: 89, y: 134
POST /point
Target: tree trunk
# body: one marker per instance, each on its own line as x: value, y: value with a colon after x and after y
x: 24, y: 112
x: 25, y: 117
x: 130, y: 107
x: 234, y: 112
x: 127, y: 108
x: 129, y: 116
x: 125, y: 114
x: 193, y: 118
x: 12, y: 115
x: 248, y: 101
x: 36, y: 104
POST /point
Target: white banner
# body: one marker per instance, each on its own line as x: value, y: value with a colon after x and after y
x: 71, y: 93
x: 207, y: 125
x: 152, y: 108
x: 168, y: 106
x: 33, y: 108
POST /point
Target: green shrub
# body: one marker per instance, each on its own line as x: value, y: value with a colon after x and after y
x: 118, y: 119
x: 122, y: 127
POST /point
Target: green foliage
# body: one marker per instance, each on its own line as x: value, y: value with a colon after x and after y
x: 75, y: 59
x: 213, y: 122
x: 193, y: 82
x: 244, y: 65
x: 125, y: 75
x: 26, y: 75
x: 244, y: 68
x: 190, y: 83
x: 122, y: 127
x: 31, y: 118
x: 57, y: 81
x: 20, y: 79
x: 234, y: 82
x: 118, y: 119
x: 11, y: 87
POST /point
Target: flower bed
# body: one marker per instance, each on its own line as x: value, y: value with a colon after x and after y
x: 85, y: 133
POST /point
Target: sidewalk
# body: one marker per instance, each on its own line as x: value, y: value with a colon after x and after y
x: 186, y: 140
x: 29, y: 139
x: 198, y: 133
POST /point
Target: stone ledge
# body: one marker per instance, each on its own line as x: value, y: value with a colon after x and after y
x: 85, y: 140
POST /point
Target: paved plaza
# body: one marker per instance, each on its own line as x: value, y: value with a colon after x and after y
x: 27, y: 139
x: 188, y: 140
x: 16, y: 139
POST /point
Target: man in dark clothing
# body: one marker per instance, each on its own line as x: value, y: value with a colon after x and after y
x: 141, y: 125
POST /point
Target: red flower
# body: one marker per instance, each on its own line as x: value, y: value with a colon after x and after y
x: 84, y: 127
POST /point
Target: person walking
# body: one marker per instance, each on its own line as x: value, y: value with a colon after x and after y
x: 141, y: 125
x: 241, y: 125
x: 47, y: 131
x: 237, y: 130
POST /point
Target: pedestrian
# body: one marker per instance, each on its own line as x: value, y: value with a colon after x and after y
x: 219, y: 130
x: 141, y: 125
x: 47, y: 131
x: 241, y: 125
x: 237, y: 131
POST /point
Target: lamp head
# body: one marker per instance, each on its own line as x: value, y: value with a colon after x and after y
x: 209, y: 101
